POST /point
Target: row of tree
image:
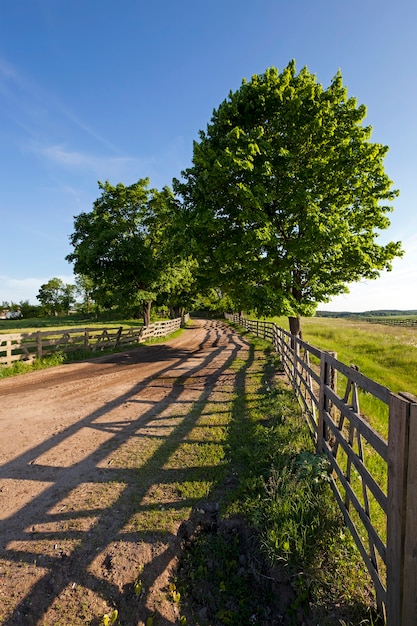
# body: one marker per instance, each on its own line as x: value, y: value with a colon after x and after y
x: 280, y: 210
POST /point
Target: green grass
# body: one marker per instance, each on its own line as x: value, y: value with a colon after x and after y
x: 281, y: 546
x: 23, y: 367
x: 384, y: 354
x: 58, y: 323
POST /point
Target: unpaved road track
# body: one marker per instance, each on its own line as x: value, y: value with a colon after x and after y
x: 80, y: 445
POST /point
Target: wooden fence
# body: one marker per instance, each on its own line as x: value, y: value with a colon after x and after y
x: 389, y: 321
x: 374, y: 480
x: 29, y: 346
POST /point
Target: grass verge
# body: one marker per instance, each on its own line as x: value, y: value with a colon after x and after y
x: 272, y: 548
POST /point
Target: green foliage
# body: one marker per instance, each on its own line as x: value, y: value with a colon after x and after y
x: 85, y: 290
x: 286, y: 194
x: 56, y: 297
x: 29, y: 310
x: 21, y: 367
x: 124, y: 247
x: 213, y: 301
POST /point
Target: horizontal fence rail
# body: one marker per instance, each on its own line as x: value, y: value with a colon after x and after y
x: 390, y: 321
x: 29, y: 346
x: 374, y: 480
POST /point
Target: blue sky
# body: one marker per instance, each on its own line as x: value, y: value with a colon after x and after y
x: 118, y: 90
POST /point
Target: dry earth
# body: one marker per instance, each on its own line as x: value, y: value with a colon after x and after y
x: 84, y: 451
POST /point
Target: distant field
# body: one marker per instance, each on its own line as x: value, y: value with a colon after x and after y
x: 57, y: 323
x: 387, y: 354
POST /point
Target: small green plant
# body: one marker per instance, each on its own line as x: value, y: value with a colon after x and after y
x: 138, y: 587
x: 175, y: 595
x: 110, y: 618
x: 313, y: 467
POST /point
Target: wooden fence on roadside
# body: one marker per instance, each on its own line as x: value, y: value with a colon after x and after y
x: 374, y: 480
x: 38, y: 344
x: 390, y: 321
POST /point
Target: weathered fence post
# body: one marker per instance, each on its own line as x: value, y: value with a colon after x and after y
x: 39, y: 344
x: 402, y: 511
x: 118, y: 335
x: 86, y: 339
x: 410, y: 540
x: 332, y: 380
x: 323, y: 401
x: 275, y: 337
x: 295, y: 354
x: 328, y: 378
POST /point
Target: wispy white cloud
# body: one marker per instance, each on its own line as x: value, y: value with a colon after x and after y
x: 87, y: 129
x: 6, y: 69
x: 410, y: 245
x: 55, y: 133
x: 101, y: 166
x: 25, y: 97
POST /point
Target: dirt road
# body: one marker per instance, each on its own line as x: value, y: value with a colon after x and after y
x: 82, y: 448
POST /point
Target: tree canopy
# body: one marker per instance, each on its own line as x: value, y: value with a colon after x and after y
x: 123, y: 246
x: 56, y: 297
x: 287, y: 194
x: 281, y: 209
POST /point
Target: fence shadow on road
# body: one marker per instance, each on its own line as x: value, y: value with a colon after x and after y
x: 95, y: 524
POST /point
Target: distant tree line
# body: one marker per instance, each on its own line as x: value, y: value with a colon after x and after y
x: 364, y: 314
x: 19, y: 309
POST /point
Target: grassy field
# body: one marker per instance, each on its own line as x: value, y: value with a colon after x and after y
x: 387, y: 354
x: 57, y: 323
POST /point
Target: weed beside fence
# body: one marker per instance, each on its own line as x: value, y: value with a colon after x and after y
x: 374, y: 481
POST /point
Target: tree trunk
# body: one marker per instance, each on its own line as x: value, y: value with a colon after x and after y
x: 295, y: 326
x: 147, y: 312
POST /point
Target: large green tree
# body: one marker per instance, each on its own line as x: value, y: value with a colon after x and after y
x: 56, y: 297
x: 287, y: 194
x: 123, y: 246
x: 84, y: 289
